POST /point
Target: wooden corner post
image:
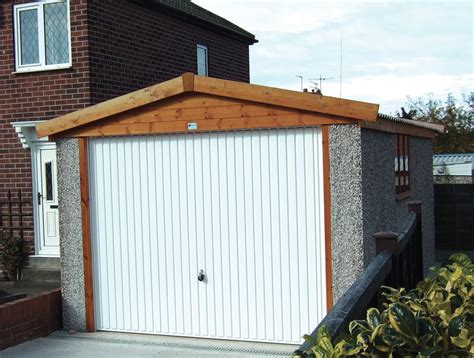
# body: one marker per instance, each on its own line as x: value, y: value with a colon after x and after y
x: 86, y: 234
x: 327, y: 216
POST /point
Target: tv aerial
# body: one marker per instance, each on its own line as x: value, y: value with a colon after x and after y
x: 320, y: 79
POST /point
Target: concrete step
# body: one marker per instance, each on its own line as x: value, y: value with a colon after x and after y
x: 42, y: 262
x: 41, y: 276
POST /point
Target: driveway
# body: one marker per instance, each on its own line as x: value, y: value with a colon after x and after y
x: 118, y: 345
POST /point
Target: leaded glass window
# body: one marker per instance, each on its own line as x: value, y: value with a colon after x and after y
x: 56, y: 34
x: 42, y: 35
x: 29, y: 37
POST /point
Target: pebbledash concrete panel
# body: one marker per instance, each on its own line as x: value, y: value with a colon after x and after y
x: 70, y: 229
x: 363, y: 198
x: 381, y: 211
x: 421, y: 172
x: 346, y: 207
x: 378, y: 187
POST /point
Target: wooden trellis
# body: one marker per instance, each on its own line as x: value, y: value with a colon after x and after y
x: 13, y: 214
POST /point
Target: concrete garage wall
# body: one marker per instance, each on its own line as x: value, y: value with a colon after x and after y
x: 346, y: 207
x: 70, y: 230
x: 381, y: 211
x: 378, y: 187
x: 363, y: 197
x: 421, y: 156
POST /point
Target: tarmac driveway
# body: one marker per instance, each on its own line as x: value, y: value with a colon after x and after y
x: 118, y: 345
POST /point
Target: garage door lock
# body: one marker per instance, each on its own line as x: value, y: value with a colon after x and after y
x: 201, y: 276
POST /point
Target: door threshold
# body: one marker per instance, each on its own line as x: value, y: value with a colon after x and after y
x: 46, y: 256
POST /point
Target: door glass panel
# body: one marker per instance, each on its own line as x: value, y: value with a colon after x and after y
x: 48, y: 170
x: 56, y: 33
x: 29, y: 37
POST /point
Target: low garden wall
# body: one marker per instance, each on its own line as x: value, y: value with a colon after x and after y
x: 29, y: 318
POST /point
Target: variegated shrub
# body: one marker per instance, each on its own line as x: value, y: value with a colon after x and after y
x: 436, y: 319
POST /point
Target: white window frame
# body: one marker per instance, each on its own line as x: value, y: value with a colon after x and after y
x: 41, y: 66
x: 207, y: 59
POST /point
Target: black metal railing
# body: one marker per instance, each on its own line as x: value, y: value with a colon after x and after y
x: 399, y: 263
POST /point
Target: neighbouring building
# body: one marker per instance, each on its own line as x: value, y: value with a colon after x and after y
x: 58, y: 56
x: 453, y: 168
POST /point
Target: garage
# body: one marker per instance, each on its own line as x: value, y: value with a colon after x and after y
x: 204, y: 210
x: 209, y: 235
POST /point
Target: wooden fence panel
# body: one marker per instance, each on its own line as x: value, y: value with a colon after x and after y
x: 454, y: 216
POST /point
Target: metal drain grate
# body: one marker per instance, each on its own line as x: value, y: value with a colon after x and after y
x: 184, y: 346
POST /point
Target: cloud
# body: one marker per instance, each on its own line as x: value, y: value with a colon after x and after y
x: 391, y: 91
x: 277, y: 17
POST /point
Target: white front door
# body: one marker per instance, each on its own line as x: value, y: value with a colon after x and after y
x: 47, y: 213
x: 217, y: 235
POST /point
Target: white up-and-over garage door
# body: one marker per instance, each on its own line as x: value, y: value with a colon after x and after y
x: 243, y: 211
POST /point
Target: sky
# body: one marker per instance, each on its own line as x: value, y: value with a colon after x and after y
x: 390, y: 49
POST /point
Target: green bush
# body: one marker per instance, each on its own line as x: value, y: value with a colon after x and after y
x: 433, y: 320
x: 11, y: 254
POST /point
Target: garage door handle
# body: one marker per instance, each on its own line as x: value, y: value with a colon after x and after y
x: 201, y: 276
x: 53, y: 206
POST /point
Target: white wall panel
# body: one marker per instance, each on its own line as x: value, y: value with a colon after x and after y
x: 246, y: 207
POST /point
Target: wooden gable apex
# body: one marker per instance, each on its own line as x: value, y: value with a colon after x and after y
x: 212, y: 104
x: 200, y: 112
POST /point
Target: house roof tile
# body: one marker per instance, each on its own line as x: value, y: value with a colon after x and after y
x: 188, y: 8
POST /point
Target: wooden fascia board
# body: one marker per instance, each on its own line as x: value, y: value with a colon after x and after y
x: 139, y: 98
x: 384, y: 125
x: 285, y: 98
x: 115, y: 128
x: 189, y: 83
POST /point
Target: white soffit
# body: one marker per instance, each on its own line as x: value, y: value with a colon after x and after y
x: 27, y: 132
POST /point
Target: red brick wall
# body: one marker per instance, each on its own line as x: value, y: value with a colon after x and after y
x: 133, y: 46
x: 36, y: 96
x: 30, y: 318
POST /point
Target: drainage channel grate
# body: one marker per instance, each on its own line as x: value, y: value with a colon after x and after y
x: 184, y: 346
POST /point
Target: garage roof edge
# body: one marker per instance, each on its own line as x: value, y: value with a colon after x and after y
x: 190, y: 83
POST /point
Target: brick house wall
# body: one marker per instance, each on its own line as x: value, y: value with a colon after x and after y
x: 117, y: 47
x: 134, y: 46
x: 36, y: 96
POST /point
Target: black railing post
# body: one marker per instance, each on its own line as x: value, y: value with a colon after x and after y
x: 387, y: 240
x: 415, y: 206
